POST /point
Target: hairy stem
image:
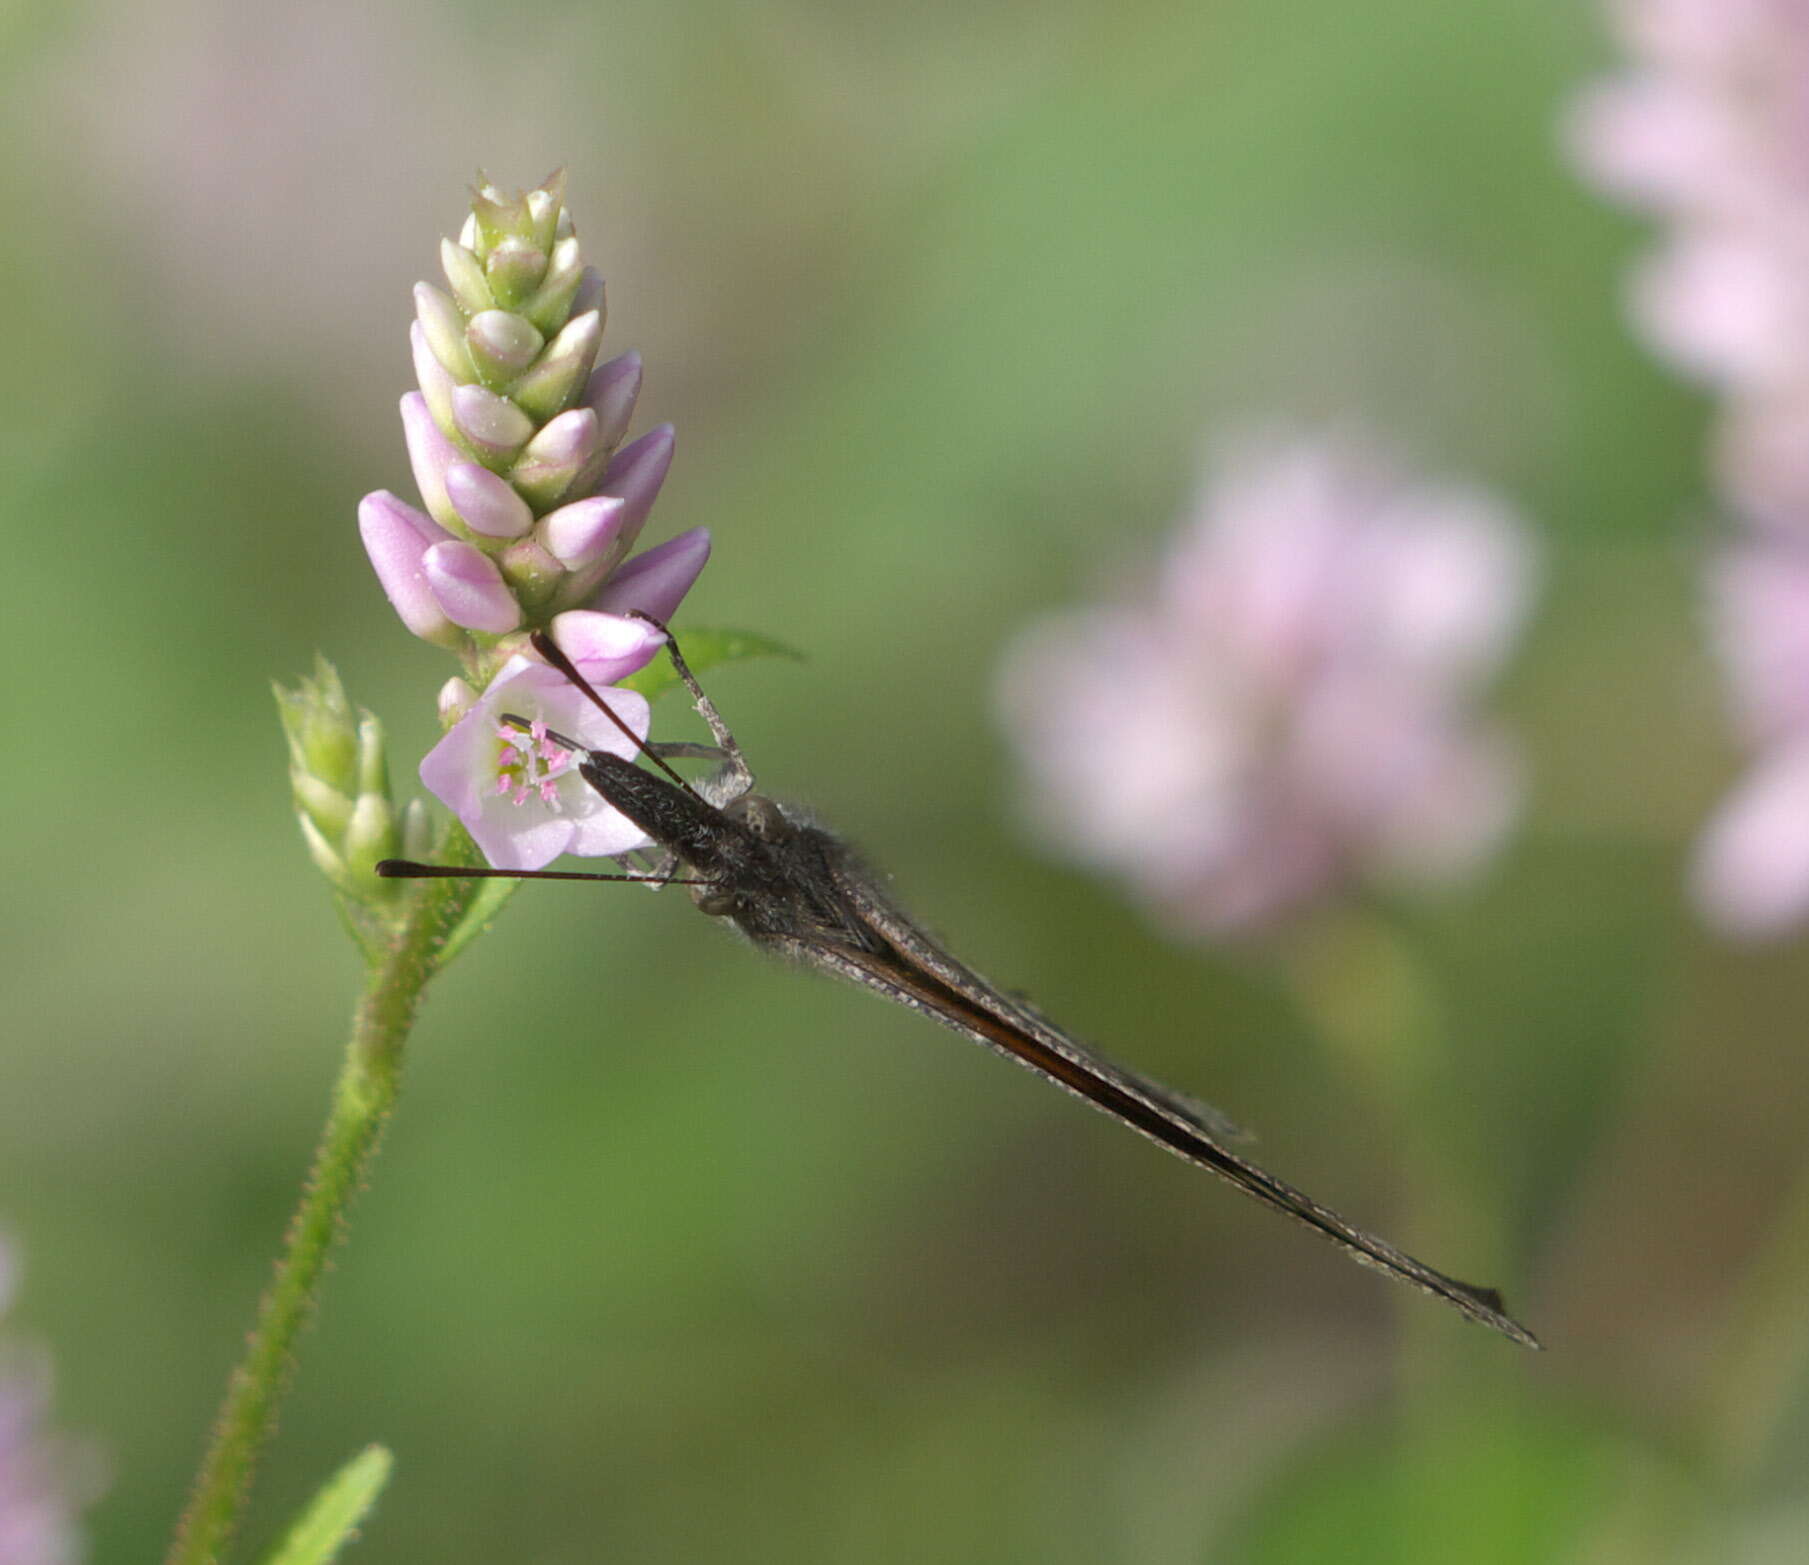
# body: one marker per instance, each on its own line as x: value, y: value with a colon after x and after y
x: 363, y: 1097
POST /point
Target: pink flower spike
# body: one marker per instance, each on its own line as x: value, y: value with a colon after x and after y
x: 397, y: 538
x: 656, y: 580
x: 582, y: 533
x: 611, y: 393
x: 520, y: 795
x: 485, y: 503
x: 469, y: 587
x: 606, y: 647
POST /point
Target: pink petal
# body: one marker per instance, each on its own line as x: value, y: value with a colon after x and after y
x: 522, y: 843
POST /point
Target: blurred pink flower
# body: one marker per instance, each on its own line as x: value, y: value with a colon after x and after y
x: 37, y: 1506
x: 1288, y: 709
x: 1708, y: 129
x: 1751, y: 874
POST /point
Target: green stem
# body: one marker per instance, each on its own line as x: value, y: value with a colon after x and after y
x: 1362, y: 981
x: 363, y: 1097
x: 1765, y: 1350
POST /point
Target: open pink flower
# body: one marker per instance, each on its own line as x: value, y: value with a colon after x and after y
x: 518, y: 792
x: 1290, y: 708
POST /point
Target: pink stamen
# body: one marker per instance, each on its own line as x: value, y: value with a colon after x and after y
x: 529, y: 766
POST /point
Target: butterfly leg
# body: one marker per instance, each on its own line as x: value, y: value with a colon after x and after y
x: 737, y: 777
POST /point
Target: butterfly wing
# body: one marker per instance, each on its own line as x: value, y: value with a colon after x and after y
x: 904, y: 965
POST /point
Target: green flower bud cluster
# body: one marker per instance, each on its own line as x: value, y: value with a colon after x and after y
x: 340, y: 779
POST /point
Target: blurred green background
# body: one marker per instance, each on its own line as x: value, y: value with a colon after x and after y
x: 673, y: 1256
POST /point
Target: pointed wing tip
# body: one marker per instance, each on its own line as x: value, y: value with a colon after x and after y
x: 1491, y: 1310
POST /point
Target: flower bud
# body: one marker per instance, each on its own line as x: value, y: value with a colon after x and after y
x: 430, y: 454
x: 485, y: 503
x: 638, y: 470
x: 320, y: 802
x: 582, y: 533
x: 634, y: 476
x: 552, y: 300
x: 590, y: 294
x: 514, y: 269
x: 326, y: 858
x: 492, y: 427
x: 417, y: 830
x: 397, y: 538
x: 549, y: 466
x: 465, y: 273
x: 373, y: 769
x: 340, y: 776
x: 656, y: 580
x: 610, y: 394
x: 469, y: 588
x: 501, y: 345
x: 444, y: 328
x: 437, y: 385
x: 454, y: 700
x: 531, y: 571
x: 545, y: 210
x: 370, y: 836
x: 555, y: 380
x: 318, y: 724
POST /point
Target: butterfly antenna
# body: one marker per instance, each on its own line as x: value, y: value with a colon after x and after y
x: 549, y: 649
x: 408, y: 869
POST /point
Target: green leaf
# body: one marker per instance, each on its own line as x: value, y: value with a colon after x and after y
x: 706, y: 649
x: 333, y: 1515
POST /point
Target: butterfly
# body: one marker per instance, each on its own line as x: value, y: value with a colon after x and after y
x: 796, y: 890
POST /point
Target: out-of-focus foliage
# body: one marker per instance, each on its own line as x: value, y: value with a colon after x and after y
x: 675, y: 1256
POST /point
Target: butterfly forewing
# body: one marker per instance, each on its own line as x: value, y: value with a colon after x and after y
x: 903, y: 964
